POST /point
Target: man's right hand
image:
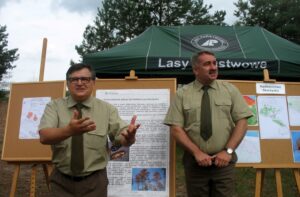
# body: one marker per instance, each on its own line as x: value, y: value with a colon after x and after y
x: 82, y: 125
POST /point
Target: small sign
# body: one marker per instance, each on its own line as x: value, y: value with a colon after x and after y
x: 270, y: 88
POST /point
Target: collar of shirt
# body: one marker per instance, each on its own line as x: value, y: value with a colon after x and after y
x: 198, y: 85
x: 87, y: 103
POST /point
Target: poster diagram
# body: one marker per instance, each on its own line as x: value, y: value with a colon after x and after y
x: 251, y: 101
x: 32, y: 111
x: 249, y: 149
x: 296, y: 145
x: 294, y: 110
x: 273, y: 117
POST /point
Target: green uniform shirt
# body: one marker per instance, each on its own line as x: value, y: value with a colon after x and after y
x: 227, y: 107
x: 59, y: 112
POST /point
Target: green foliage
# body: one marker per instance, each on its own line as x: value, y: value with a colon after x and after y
x: 199, y: 15
x: 120, y: 21
x: 4, y: 95
x: 7, y: 57
x: 281, y: 17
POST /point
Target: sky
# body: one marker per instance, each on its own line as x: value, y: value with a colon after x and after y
x: 63, y: 23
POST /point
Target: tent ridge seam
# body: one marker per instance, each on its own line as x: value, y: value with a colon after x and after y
x: 275, y: 55
x: 237, y: 38
x: 150, y: 43
x: 179, y: 39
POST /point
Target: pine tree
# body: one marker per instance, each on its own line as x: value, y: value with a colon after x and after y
x: 281, y: 17
x: 7, y: 57
x: 122, y: 20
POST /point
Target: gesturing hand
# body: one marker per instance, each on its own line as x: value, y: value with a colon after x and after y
x: 129, y: 133
x: 81, y: 125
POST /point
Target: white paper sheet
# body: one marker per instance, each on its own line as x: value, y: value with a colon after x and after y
x: 249, y: 149
x: 32, y: 111
x: 294, y: 110
x: 273, y: 117
x: 147, y: 171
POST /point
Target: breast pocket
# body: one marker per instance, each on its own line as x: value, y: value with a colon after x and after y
x: 223, y: 108
x: 96, y: 140
x: 191, y: 114
x: 60, y: 151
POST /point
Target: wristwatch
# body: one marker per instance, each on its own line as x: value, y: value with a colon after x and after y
x: 229, y: 151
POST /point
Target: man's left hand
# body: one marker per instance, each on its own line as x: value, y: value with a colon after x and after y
x: 129, y: 133
x: 222, y: 159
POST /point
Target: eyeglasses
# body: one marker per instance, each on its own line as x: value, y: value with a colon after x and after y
x: 75, y: 80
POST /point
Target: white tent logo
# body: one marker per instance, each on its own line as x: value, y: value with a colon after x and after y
x: 209, y: 42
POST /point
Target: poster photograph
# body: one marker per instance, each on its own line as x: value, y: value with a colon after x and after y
x: 149, y: 179
x: 296, y: 145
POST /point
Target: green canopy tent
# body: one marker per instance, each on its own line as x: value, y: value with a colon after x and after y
x: 242, y: 53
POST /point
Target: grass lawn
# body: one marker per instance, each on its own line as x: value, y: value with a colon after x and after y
x: 245, y: 184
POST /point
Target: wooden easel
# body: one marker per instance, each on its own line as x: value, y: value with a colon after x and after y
x: 46, y: 165
x: 297, y: 178
x: 46, y: 168
x: 259, y: 180
x: 260, y: 171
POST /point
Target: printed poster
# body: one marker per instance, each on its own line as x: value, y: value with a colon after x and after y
x: 294, y: 110
x: 143, y: 169
x: 249, y: 149
x: 251, y: 101
x: 32, y: 111
x: 273, y: 117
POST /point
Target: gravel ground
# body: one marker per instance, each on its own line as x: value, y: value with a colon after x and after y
x: 7, y: 170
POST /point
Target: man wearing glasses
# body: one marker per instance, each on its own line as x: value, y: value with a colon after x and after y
x: 77, y: 127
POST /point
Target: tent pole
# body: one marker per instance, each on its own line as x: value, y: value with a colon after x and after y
x: 267, y: 77
x: 131, y: 76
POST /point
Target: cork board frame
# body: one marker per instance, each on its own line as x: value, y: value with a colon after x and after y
x: 27, y: 150
x: 275, y: 153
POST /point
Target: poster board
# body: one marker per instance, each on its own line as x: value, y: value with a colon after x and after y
x: 142, y: 85
x: 23, y: 150
x: 275, y: 153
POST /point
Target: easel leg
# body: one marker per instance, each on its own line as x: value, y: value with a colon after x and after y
x: 33, y: 180
x: 297, y: 178
x: 259, y: 181
x: 278, y: 183
x: 14, y: 181
x: 47, y: 173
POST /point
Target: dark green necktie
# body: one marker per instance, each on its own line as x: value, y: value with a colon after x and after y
x: 77, y: 159
x: 206, y: 125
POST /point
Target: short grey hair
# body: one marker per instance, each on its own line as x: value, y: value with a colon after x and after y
x: 196, y: 55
